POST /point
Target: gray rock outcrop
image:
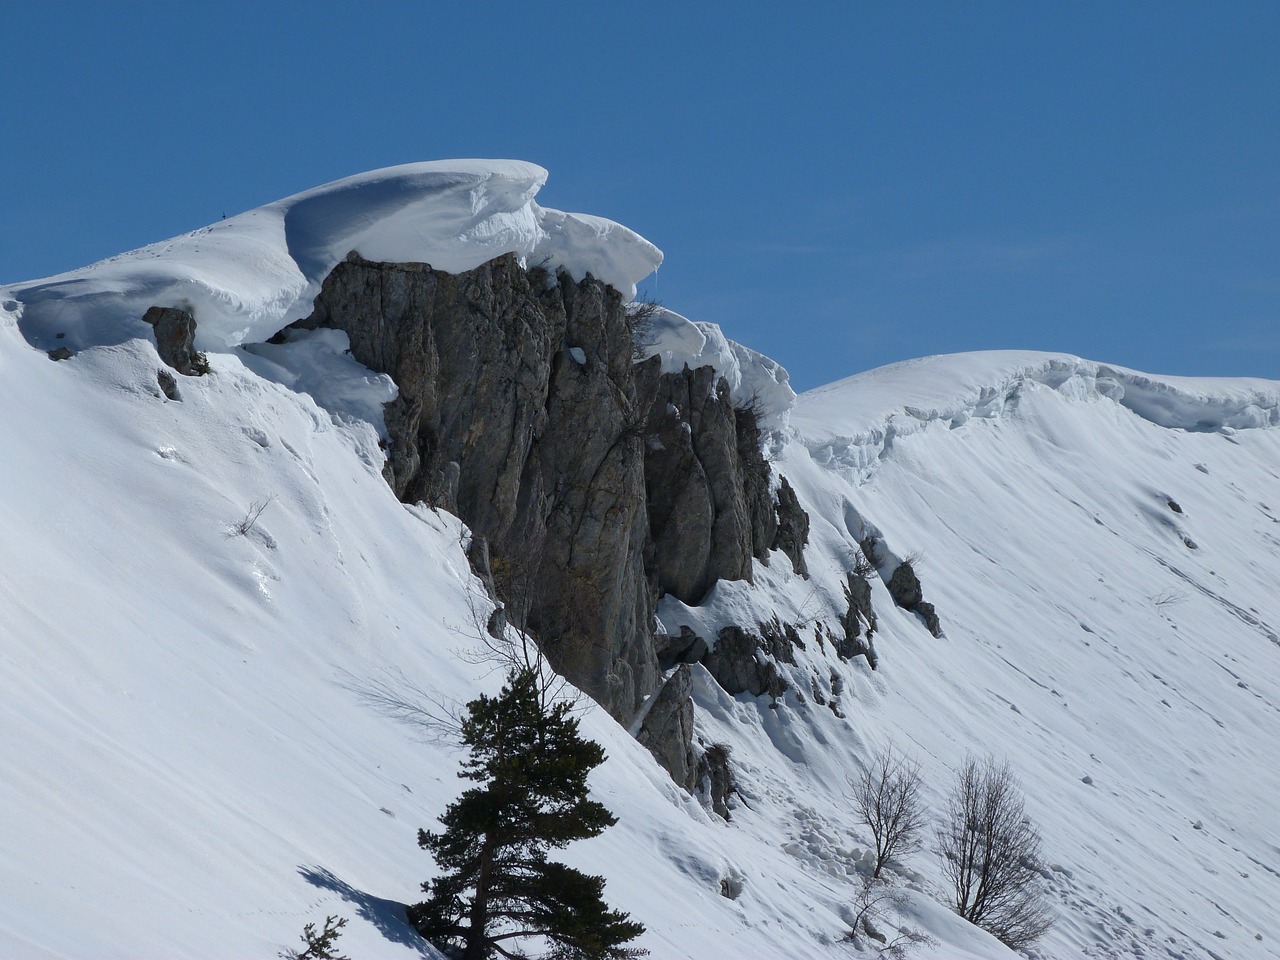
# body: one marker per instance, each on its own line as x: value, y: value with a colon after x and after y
x: 792, y: 527
x: 168, y: 386
x: 667, y: 729
x: 927, y: 613
x: 684, y: 647
x: 904, y: 586
x: 858, y: 616
x: 707, y: 484
x: 754, y: 475
x: 740, y: 665
x: 539, y: 453
x: 715, y: 778
x: 175, y: 331
x: 592, y: 483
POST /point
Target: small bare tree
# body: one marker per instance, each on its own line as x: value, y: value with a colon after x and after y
x: 991, y: 856
x: 873, y: 898
x: 887, y: 798
x: 862, y: 566
x: 641, y: 314
x: 245, y: 525
x: 502, y: 643
x: 507, y: 640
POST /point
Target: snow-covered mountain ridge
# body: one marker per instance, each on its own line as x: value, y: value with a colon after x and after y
x: 248, y: 275
x: 200, y: 718
x: 854, y: 420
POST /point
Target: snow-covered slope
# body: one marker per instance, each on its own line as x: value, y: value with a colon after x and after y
x: 202, y: 714
x: 198, y: 726
x: 1104, y: 550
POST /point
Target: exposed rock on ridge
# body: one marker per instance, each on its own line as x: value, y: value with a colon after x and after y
x: 539, y: 451
x: 667, y: 730
x: 176, y: 340
x: 707, y: 484
x: 792, y: 527
x: 904, y: 587
x: 857, y: 594
x: 592, y: 483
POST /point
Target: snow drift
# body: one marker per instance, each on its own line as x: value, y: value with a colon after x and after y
x: 754, y: 380
x: 247, y: 276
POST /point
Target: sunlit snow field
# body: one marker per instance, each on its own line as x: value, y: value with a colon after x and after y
x: 199, y: 752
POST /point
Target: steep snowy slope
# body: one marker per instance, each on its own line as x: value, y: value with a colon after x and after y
x: 199, y: 729
x: 1103, y: 549
x: 216, y: 614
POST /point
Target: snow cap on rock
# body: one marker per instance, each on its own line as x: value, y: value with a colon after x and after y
x: 245, y: 277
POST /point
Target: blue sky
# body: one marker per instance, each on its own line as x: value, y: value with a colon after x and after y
x: 839, y: 185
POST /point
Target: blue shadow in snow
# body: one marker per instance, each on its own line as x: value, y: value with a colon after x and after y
x: 386, y: 915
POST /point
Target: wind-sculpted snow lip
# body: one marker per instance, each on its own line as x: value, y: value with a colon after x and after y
x: 754, y: 380
x: 247, y: 276
x: 851, y: 424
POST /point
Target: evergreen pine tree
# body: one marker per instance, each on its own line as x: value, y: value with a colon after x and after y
x: 321, y: 945
x: 531, y: 766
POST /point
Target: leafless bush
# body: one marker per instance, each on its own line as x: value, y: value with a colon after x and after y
x: 1168, y: 598
x: 395, y: 695
x: 250, y: 519
x: 863, y: 568
x: 873, y: 898
x: 641, y: 313
x: 887, y: 799
x: 753, y: 406
x: 990, y: 854
x: 507, y: 641
x: 500, y: 645
x: 437, y: 718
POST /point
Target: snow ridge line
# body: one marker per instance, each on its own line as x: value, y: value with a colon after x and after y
x: 1199, y: 405
x: 245, y: 277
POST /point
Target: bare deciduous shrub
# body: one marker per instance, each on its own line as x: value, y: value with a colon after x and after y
x: 1168, y: 598
x: 513, y: 581
x: 887, y: 799
x: 501, y: 642
x: 246, y: 524
x: 641, y: 314
x: 991, y: 856
x: 863, y: 567
x: 873, y: 898
x: 396, y: 695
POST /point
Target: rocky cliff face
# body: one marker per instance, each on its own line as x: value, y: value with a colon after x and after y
x: 518, y: 411
x: 594, y: 484
x: 707, y: 483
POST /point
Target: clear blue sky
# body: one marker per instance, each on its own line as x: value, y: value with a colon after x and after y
x: 839, y: 185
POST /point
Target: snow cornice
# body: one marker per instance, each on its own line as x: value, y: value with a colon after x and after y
x: 851, y: 423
